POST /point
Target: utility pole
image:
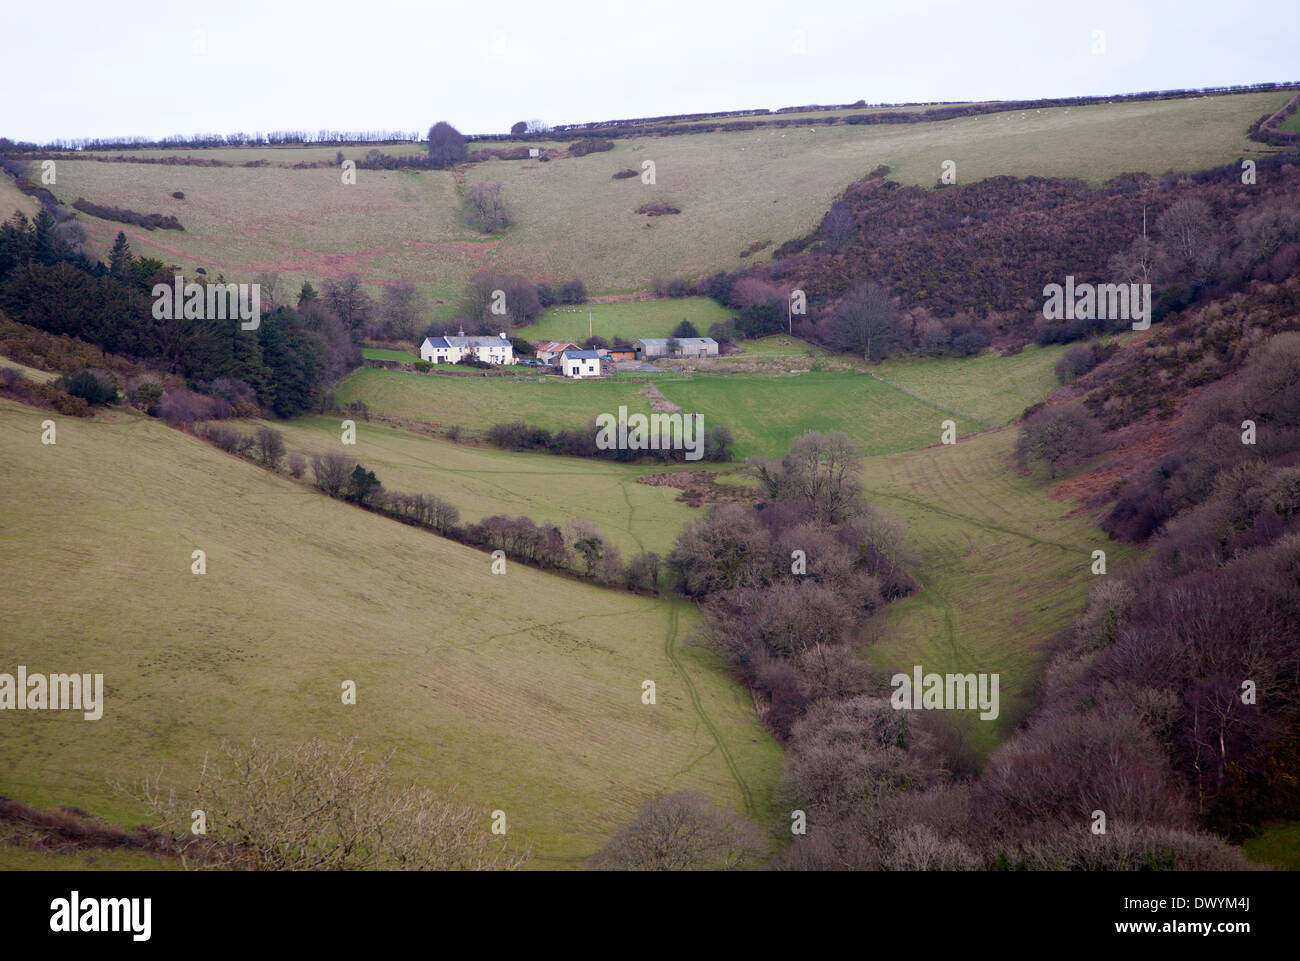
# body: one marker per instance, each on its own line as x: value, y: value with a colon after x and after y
x: 590, y: 333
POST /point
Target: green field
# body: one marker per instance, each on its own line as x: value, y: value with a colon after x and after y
x: 522, y: 689
x: 479, y: 402
x: 16, y: 857
x: 734, y: 190
x: 1002, y: 566
x: 627, y: 319
x: 900, y: 409
x: 380, y: 353
x: 483, y: 481
x: 990, y: 388
x: 1278, y: 846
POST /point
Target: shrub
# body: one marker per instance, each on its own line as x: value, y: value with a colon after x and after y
x: 146, y: 395
x: 297, y: 464
x: 1079, y: 359
x: 590, y: 145
x: 657, y: 209
x: 1059, y: 438
x: 183, y: 406
x: 179, y: 195
x: 95, y: 387
x: 573, y: 292
x: 424, y: 366
x: 225, y: 436
x: 122, y: 215
x: 625, y: 174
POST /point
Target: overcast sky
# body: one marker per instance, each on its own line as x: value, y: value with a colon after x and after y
x: 103, y: 68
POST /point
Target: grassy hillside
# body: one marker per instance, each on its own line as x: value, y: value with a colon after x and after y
x: 1002, y: 565
x: 378, y: 353
x: 629, y: 320
x: 734, y: 190
x: 11, y: 198
x: 523, y: 689
x: 484, y: 481
x: 989, y: 388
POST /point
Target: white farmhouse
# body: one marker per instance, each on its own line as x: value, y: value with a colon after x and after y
x: 580, y: 363
x: 449, y: 350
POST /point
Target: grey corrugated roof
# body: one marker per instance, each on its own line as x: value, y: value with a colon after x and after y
x: 680, y: 340
x: 584, y: 354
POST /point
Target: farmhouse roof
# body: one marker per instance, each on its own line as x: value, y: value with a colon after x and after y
x: 437, y: 342
x: 475, y: 341
x: 555, y: 346
x: 580, y: 354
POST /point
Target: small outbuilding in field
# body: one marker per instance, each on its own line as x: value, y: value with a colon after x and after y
x: 618, y: 353
x: 649, y: 347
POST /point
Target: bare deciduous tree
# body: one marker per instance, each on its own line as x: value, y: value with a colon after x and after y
x: 270, y: 292
x: 270, y: 446
x: 819, y: 473
x: 485, y: 207
x: 332, y: 471
x: 346, y: 298
x: 318, y: 807
x: 403, y: 310
x: 682, y: 832
x: 866, y: 322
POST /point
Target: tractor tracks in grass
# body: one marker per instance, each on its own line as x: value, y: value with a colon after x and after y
x: 929, y: 403
x: 670, y: 645
x: 982, y: 525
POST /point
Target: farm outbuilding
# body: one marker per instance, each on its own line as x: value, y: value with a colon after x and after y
x: 618, y: 353
x: 548, y: 351
x: 580, y: 363
x: 677, y: 347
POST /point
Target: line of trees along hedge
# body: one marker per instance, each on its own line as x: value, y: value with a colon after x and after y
x: 718, y: 443
x: 580, y: 548
x: 632, y: 126
x: 45, y: 282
